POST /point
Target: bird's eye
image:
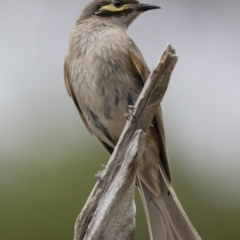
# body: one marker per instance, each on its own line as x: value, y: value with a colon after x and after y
x: 117, y: 3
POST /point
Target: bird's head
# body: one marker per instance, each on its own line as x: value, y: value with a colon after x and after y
x: 119, y: 12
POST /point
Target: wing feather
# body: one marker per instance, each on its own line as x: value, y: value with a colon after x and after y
x: 143, y: 71
x: 71, y: 94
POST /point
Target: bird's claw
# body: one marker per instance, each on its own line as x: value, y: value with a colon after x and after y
x: 100, y: 173
x: 130, y: 114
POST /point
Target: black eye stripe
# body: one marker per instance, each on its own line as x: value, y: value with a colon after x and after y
x: 117, y: 3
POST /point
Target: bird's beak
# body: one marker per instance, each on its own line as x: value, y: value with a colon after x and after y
x: 145, y: 7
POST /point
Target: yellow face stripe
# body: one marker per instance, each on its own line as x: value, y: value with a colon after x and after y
x: 112, y: 8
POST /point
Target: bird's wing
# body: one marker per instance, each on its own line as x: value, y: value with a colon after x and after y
x: 143, y: 71
x: 71, y: 93
x: 165, y: 216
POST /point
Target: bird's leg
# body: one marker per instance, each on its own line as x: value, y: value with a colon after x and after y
x: 130, y: 114
x: 100, y: 173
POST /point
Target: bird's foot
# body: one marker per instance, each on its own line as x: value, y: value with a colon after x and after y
x: 101, y: 173
x: 130, y: 114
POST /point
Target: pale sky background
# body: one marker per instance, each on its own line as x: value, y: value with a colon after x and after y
x: 201, y: 108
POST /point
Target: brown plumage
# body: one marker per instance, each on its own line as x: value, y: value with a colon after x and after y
x: 104, y: 73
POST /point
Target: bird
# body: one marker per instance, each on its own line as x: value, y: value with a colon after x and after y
x: 104, y: 73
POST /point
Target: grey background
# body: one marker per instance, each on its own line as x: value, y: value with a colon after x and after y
x: 48, y: 159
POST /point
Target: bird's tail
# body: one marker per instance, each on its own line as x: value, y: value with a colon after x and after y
x: 165, y: 216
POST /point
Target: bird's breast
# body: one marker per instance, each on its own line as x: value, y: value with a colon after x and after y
x: 105, y: 83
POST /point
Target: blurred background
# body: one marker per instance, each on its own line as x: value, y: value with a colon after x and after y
x: 47, y: 157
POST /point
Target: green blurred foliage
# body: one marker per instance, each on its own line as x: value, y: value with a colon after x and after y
x: 41, y: 199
